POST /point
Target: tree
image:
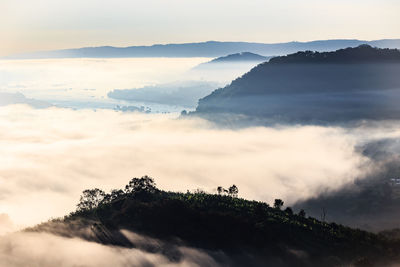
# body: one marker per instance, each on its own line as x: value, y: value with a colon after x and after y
x: 323, y: 214
x: 278, y: 203
x: 140, y: 185
x: 90, y: 199
x: 289, y: 210
x: 302, y: 213
x: 220, y: 190
x: 233, y: 191
x: 116, y: 194
x: 199, y: 191
x: 113, y: 195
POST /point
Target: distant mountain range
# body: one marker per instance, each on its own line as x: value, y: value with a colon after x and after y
x: 312, y: 87
x: 204, y: 49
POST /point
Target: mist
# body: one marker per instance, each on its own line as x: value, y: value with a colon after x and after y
x: 47, y: 250
x: 50, y: 155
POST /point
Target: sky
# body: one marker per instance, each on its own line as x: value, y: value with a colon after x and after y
x: 48, y: 24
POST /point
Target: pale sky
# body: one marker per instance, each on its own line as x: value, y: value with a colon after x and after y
x: 29, y: 25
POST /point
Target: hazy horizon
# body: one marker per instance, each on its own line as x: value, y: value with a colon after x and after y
x: 48, y: 25
x: 286, y: 158
x: 199, y: 42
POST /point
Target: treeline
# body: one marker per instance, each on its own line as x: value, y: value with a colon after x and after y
x: 93, y: 198
x: 145, y: 188
x: 361, y: 54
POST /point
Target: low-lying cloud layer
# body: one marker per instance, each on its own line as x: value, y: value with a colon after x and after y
x: 46, y: 250
x: 49, y: 156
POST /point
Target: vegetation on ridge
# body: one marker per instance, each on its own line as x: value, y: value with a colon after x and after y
x: 247, y: 232
x: 361, y: 54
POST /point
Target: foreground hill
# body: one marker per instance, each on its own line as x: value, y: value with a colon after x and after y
x: 348, y: 84
x: 203, y: 49
x: 234, y: 231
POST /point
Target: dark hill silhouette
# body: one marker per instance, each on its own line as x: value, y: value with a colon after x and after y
x: 204, y: 49
x: 246, y: 233
x: 315, y: 87
x: 361, y: 54
x: 239, y: 57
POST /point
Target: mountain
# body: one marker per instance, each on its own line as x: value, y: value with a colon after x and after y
x: 243, y: 60
x: 239, y: 57
x: 203, y: 49
x: 233, y: 231
x: 315, y: 87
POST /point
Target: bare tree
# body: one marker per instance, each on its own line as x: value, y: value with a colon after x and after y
x: 323, y: 214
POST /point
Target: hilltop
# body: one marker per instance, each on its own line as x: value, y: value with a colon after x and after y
x: 361, y: 54
x: 313, y: 87
x: 234, y: 231
x: 239, y: 57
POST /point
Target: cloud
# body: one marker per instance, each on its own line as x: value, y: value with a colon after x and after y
x: 6, y: 225
x: 50, y: 155
x: 18, y: 98
x: 46, y: 250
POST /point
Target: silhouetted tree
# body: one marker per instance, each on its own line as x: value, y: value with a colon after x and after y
x: 233, y: 191
x: 90, y: 199
x: 199, y: 191
x: 289, y: 210
x: 113, y: 195
x: 116, y: 193
x: 323, y: 214
x: 140, y: 185
x: 278, y: 203
x: 302, y: 213
x: 220, y: 190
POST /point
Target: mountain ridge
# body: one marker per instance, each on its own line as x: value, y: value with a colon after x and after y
x: 292, y: 88
x: 246, y: 232
x: 203, y: 49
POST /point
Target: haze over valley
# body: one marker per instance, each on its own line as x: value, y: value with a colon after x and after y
x: 128, y: 139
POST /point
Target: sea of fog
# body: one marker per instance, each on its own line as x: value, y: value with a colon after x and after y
x: 50, y: 155
x: 84, y: 83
